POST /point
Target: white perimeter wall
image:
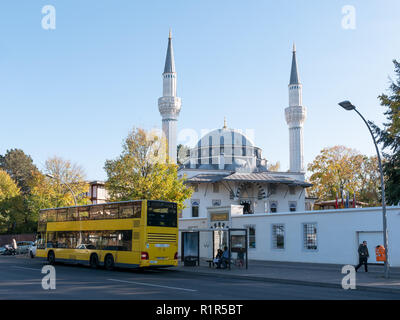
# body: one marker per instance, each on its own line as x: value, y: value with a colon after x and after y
x: 337, y: 234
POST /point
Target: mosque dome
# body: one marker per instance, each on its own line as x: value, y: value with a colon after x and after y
x: 225, y: 149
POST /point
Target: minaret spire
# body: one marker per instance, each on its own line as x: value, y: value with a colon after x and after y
x: 295, y: 116
x: 169, y: 60
x: 169, y: 104
x: 294, y: 74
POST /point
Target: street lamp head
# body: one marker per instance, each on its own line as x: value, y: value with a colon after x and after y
x: 347, y: 105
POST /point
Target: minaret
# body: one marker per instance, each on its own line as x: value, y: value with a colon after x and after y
x: 295, y: 116
x: 169, y: 104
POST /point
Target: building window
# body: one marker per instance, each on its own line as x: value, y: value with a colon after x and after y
x: 310, y: 236
x: 292, y: 206
x: 292, y: 189
x: 246, y: 206
x: 251, y: 233
x: 273, y: 207
x: 195, y: 187
x: 272, y: 188
x: 195, y: 208
x: 215, y: 187
x: 278, y: 236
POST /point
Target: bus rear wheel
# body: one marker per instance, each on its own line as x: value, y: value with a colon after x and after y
x: 94, y: 261
x: 109, y: 262
x: 51, y: 258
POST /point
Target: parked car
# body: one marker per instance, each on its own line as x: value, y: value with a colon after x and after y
x: 23, y: 247
x: 8, y: 250
x: 2, y: 250
x: 32, y: 249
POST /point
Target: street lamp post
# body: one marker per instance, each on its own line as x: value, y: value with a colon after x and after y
x: 347, y: 105
x: 69, y: 188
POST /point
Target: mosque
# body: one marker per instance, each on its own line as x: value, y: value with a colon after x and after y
x: 233, y: 189
x: 226, y: 169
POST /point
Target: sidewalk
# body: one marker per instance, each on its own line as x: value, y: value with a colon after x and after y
x: 322, y: 275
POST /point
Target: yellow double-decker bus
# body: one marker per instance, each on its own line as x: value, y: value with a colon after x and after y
x: 134, y: 234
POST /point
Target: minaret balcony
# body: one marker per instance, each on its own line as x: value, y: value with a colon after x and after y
x: 169, y: 106
x: 295, y: 115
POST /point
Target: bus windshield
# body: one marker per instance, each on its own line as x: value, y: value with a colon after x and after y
x: 161, y: 214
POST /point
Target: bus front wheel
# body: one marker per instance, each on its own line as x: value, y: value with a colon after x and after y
x: 109, y: 262
x: 51, y: 258
x: 94, y: 261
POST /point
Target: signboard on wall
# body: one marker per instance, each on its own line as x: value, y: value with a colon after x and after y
x: 220, y: 216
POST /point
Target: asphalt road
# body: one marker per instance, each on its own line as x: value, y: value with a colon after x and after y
x: 21, y: 278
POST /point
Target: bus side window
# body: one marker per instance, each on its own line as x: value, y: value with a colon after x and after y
x: 51, y: 215
x: 62, y: 215
x: 125, y: 240
x: 126, y: 211
x: 72, y: 214
x: 111, y: 212
x: 83, y: 214
x: 50, y: 240
x: 97, y: 213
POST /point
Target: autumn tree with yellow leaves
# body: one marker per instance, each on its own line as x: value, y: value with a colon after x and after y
x: 142, y: 171
x: 11, y: 203
x: 341, y: 168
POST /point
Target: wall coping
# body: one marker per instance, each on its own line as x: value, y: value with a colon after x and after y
x: 377, y: 210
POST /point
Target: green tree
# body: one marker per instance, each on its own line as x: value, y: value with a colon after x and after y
x: 389, y: 137
x: 341, y: 168
x: 11, y: 204
x: 142, y: 172
x: 19, y: 166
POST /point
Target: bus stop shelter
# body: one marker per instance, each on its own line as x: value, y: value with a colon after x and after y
x: 204, y: 243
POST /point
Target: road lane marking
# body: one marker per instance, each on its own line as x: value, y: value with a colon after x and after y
x: 27, y: 268
x: 152, y: 285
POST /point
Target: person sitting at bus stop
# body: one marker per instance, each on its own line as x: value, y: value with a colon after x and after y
x: 224, y: 259
x: 218, y: 256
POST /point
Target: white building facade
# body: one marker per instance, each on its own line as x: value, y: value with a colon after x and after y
x: 327, y: 236
x: 233, y: 188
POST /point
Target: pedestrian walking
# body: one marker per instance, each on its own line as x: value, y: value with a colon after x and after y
x: 363, y: 256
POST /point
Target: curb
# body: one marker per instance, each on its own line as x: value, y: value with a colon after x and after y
x: 294, y: 282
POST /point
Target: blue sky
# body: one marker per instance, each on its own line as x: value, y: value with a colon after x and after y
x: 77, y: 90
